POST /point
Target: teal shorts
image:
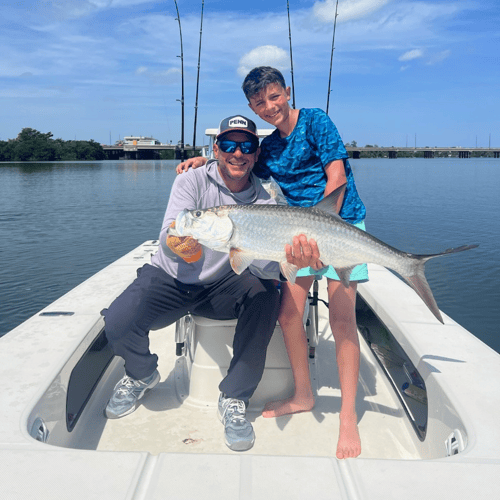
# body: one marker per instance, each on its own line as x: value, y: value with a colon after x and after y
x: 359, y: 273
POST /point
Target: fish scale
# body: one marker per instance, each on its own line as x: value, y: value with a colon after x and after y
x: 264, y: 230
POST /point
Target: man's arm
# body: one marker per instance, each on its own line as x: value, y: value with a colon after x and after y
x: 182, y: 195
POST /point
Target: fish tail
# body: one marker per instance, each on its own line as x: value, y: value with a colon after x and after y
x: 418, y: 281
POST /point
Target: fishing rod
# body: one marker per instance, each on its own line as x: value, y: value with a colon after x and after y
x: 197, y: 81
x: 291, y: 59
x: 331, y: 58
x: 178, y: 18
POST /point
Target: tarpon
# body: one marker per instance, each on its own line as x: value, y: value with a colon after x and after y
x: 249, y: 232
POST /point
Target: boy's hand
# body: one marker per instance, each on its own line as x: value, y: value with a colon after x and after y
x: 197, y: 161
x: 185, y: 247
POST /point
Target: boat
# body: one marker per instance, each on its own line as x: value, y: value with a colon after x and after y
x: 427, y: 403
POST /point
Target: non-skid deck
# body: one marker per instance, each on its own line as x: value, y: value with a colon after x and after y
x: 167, y: 422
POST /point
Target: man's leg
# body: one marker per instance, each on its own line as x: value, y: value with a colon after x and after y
x: 132, y: 314
x: 153, y: 295
x: 255, y: 303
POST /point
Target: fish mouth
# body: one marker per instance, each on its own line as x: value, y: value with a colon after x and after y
x: 181, y: 223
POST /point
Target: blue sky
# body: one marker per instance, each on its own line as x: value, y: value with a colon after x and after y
x: 103, y: 69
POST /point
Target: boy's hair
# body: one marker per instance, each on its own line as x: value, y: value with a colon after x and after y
x: 259, y: 78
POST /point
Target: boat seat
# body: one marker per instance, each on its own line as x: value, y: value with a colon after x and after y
x: 204, y: 347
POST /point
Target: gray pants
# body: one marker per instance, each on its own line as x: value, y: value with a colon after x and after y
x: 155, y: 299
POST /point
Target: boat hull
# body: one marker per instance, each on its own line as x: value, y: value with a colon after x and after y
x: 295, y: 456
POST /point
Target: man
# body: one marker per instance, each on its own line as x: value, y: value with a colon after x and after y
x: 183, y: 277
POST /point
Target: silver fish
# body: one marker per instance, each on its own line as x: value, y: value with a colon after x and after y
x: 249, y: 232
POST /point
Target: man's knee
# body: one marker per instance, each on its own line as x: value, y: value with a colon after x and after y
x: 265, y: 291
x: 115, y: 323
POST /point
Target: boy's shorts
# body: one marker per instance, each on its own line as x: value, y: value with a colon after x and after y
x: 359, y: 273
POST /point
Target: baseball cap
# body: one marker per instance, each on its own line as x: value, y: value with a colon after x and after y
x: 237, y: 123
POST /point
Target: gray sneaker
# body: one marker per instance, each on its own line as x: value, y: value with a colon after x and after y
x: 238, y: 431
x: 127, y: 393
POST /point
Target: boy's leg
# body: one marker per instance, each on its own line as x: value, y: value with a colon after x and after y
x: 342, y: 302
x: 291, y: 316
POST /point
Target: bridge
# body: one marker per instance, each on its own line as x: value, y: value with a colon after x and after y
x: 148, y: 151
x: 174, y: 152
x: 428, y: 152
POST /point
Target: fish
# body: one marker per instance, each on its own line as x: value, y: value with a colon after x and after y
x: 249, y: 232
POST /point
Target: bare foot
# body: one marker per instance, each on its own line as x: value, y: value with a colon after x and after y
x: 349, y: 445
x: 288, y: 406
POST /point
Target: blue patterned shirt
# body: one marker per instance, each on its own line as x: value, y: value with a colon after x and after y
x: 298, y: 162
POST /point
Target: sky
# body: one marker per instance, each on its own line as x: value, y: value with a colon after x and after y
x: 404, y: 72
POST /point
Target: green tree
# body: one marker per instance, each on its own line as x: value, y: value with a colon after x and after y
x: 32, y: 145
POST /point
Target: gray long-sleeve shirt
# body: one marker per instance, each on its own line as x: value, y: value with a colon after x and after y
x: 204, y: 188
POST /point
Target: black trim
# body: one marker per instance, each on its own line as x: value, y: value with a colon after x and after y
x: 85, y: 377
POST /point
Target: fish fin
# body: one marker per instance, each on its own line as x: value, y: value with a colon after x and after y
x: 288, y: 270
x: 329, y: 203
x: 344, y: 273
x: 239, y: 259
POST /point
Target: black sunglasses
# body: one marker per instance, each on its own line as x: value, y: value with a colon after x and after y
x: 246, y: 147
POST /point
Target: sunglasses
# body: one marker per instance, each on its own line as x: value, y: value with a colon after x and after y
x: 246, y: 147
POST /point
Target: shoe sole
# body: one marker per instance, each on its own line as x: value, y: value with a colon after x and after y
x: 241, y: 446
x: 112, y: 416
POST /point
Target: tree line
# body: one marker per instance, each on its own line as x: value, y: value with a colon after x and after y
x: 32, y: 145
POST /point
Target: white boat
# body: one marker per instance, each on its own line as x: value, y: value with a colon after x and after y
x: 428, y: 404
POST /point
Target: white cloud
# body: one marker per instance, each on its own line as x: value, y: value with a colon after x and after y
x: 165, y: 77
x: 411, y: 54
x: 439, y: 57
x: 266, y: 55
x: 347, y: 9
x: 80, y: 8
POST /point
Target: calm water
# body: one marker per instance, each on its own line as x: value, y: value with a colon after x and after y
x: 62, y: 222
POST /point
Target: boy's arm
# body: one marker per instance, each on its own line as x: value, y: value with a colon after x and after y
x: 195, y: 162
x: 335, y: 178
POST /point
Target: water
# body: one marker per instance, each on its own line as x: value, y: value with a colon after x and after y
x: 62, y: 222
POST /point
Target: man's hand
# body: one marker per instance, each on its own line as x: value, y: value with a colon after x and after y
x: 303, y: 253
x: 195, y: 162
x: 185, y: 246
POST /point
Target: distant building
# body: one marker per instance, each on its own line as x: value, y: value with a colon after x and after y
x: 140, y: 141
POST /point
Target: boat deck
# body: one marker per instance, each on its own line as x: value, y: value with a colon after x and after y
x: 168, y: 422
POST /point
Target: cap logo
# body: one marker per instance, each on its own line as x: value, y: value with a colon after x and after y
x: 238, y: 121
